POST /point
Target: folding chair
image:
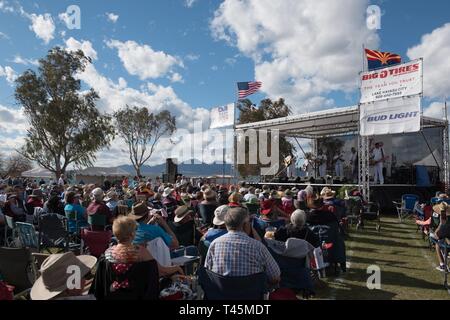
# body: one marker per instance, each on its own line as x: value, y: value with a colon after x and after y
x: 10, y: 227
x: 218, y: 287
x: 53, y: 233
x: 97, y: 221
x: 405, y: 208
x: 18, y: 269
x: 96, y: 242
x: 28, y: 237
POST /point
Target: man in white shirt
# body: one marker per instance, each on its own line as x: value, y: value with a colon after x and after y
x: 339, y: 164
x: 378, y: 158
x: 308, y: 167
x: 322, y: 163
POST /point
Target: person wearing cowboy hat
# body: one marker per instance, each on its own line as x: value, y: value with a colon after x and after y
x: 35, y: 200
x: 184, y: 228
x: 169, y: 201
x: 58, y: 280
x: 98, y: 207
x: 151, y: 227
x: 317, y: 215
x: 442, y: 232
x: 112, y: 202
x: 12, y: 208
x: 287, y: 202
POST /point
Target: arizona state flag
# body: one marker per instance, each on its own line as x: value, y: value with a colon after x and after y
x: 378, y: 59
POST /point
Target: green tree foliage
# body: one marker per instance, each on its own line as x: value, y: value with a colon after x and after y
x: 141, y: 131
x: 267, y: 110
x: 65, y: 125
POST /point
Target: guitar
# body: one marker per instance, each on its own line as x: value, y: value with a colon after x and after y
x: 373, y: 162
x: 288, y: 161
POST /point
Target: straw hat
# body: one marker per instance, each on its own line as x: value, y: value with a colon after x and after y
x: 54, y: 275
x: 235, y: 197
x: 327, y: 193
x: 181, y: 213
x: 219, y: 215
x: 139, y: 211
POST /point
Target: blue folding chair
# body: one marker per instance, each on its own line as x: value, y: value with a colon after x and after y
x: 27, y: 235
x: 406, y: 207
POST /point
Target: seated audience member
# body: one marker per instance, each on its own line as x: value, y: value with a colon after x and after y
x: 169, y: 201
x: 151, y: 227
x: 287, y: 202
x: 317, y: 215
x: 236, y: 254
x: 98, y: 207
x: 443, y: 231
x: 235, y: 200
x: 12, y: 209
x: 128, y: 271
x: 54, y: 279
x: 35, y: 200
x: 303, y: 196
x: 222, y: 196
x: 332, y: 204
x: 210, y: 197
x: 297, y: 229
x: 183, y: 226
x: 219, y: 228
x: 156, y: 202
x: 250, y: 195
x: 73, y: 205
x: 112, y: 200
x: 54, y: 204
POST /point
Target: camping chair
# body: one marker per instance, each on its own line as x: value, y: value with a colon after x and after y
x: 28, y: 237
x: 10, y: 227
x: 18, y: 269
x: 95, y: 242
x: 53, y: 233
x: 370, y: 212
x: 218, y: 287
x: 406, y: 207
x: 207, y: 213
x: 97, y: 221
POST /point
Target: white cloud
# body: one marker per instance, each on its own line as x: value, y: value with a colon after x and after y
x: 43, y: 26
x: 435, y: 50
x: 86, y: 46
x: 214, y: 68
x: 112, y: 17
x: 230, y: 61
x: 4, y: 36
x: 189, y: 3
x: 13, y: 129
x: 435, y: 110
x: 8, y: 73
x: 298, y: 50
x: 176, y: 77
x: 5, y: 7
x: 143, y: 61
x: 192, y: 57
x: 19, y: 60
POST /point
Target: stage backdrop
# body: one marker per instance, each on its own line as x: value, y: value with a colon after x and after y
x: 390, y: 116
x: 398, y: 81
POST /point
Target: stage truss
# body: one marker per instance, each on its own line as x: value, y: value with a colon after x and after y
x: 341, y: 122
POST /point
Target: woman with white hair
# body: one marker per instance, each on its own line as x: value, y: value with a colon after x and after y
x: 297, y: 229
x: 98, y: 207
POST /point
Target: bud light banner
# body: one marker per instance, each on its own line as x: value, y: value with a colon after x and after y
x: 398, y: 81
x: 390, y: 117
x: 222, y: 116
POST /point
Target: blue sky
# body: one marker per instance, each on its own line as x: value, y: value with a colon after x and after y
x: 187, y: 55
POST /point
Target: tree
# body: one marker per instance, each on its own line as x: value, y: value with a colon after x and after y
x: 16, y: 164
x: 65, y: 125
x: 267, y: 110
x: 2, y: 165
x: 141, y: 131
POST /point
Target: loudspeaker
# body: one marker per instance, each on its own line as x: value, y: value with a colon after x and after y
x: 171, y: 170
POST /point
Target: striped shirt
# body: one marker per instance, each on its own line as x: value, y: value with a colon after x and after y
x: 236, y: 254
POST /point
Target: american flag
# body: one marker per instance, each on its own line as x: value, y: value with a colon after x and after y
x: 248, y: 88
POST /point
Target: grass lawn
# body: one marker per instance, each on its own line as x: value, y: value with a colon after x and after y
x: 406, y: 262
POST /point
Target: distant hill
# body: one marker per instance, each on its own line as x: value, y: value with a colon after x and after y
x: 191, y: 170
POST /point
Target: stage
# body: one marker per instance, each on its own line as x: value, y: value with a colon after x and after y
x: 381, y: 194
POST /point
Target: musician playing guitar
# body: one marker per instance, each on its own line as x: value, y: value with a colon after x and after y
x: 321, y: 162
x: 378, y: 161
x: 338, y: 160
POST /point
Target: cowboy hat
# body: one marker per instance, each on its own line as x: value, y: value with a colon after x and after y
x: 235, y: 198
x: 167, y: 192
x: 219, y: 215
x: 139, y: 211
x: 328, y: 194
x: 181, y: 213
x: 54, y: 274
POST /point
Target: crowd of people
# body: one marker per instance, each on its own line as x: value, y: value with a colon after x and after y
x: 229, y: 225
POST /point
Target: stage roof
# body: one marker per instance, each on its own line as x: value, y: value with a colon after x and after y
x: 332, y: 122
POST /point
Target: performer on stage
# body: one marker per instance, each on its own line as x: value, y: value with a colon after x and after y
x: 339, y: 164
x: 322, y: 163
x: 290, y: 164
x: 308, y: 166
x: 378, y: 161
x: 354, y: 164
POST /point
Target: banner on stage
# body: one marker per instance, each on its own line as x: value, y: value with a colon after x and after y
x: 222, y: 116
x: 398, y: 81
x: 390, y: 117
